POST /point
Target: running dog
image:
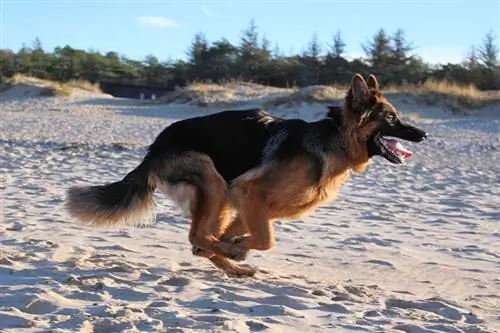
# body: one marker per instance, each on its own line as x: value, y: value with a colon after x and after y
x: 234, y: 172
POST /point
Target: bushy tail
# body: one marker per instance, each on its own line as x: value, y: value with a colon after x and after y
x: 121, y: 202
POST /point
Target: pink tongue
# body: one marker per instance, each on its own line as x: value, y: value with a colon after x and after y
x: 396, y: 146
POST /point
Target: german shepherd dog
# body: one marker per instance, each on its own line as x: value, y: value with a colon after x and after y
x: 234, y: 172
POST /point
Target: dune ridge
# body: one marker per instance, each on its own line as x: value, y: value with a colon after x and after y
x: 457, y: 98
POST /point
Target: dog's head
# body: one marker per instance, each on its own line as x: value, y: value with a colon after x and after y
x: 378, y: 122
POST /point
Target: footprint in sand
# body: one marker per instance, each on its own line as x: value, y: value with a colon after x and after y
x: 176, y: 282
x: 256, y: 326
x: 436, y: 306
x: 381, y: 263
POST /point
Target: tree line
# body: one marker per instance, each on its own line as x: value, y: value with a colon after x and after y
x: 389, y: 56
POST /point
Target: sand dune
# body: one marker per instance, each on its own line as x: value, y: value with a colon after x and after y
x: 411, y: 248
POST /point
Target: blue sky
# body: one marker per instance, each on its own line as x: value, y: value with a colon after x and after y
x: 442, y: 30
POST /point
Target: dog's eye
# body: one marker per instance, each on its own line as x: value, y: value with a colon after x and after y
x: 391, y: 117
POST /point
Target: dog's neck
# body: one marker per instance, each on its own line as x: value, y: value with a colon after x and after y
x: 349, y: 136
x: 357, y: 156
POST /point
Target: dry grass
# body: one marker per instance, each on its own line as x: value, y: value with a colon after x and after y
x: 437, y: 93
x: 21, y: 79
x: 454, y: 96
x: 228, y: 93
x: 50, y: 88
x: 311, y: 94
x: 84, y: 85
x: 200, y: 93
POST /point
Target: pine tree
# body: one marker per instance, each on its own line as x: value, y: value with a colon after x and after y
x: 314, y: 48
x: 378, y: 51
x: 472, y: 60
x: 250, y: 40
x: 223, y: 57
x: 488, y: 51
x: 38, y: 59
x: 7, y: 63
x: 338, y: 47
x: 311, y: 61
x: 403, y: 66
x: 488, y: 57
x: 265, y: 51
x: 197, y: 55
x: 400, y: 48
x: 248, y: 52
x: 23, y: 60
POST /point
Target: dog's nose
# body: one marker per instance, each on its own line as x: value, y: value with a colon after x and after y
x: 420, y: 135
x: 423, y: 136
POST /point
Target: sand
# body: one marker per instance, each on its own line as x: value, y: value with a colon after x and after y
x: 409, y: 248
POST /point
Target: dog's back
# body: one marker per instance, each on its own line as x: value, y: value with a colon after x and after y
x: 234, y: 140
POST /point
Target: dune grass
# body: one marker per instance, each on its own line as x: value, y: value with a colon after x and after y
x: 226, y: 93
x: 310, y: 94
x: 450, y: 95
x: 454, y: 96
x: 84, y: 85
x: 49, y: 88
x: 458, y: 98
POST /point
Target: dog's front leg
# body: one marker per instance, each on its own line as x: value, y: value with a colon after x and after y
x: 235, y: 229
x: 252, y: 228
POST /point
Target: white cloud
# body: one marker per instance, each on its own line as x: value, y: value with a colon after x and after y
x: 207, y: 11
x: 156, y: 22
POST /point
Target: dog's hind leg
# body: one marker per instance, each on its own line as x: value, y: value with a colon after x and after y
x: 192, y: 181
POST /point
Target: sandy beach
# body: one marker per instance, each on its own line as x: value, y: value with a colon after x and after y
x: 406, y: 248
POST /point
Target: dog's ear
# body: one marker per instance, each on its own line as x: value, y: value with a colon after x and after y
x: 359, y: 89
x: 372, y: 82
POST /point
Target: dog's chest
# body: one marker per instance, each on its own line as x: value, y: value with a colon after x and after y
x: 334, y: 173
x: 328, y: 174
x: 325, y: 191
x: 330, y: 185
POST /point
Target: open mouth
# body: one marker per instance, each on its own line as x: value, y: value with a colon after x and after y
x: 393, y: 150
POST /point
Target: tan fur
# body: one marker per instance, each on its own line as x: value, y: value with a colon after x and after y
x: 283, y: 192
x: 183, y: 195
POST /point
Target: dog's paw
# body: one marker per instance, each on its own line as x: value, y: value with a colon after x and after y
x: 234, y: 251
